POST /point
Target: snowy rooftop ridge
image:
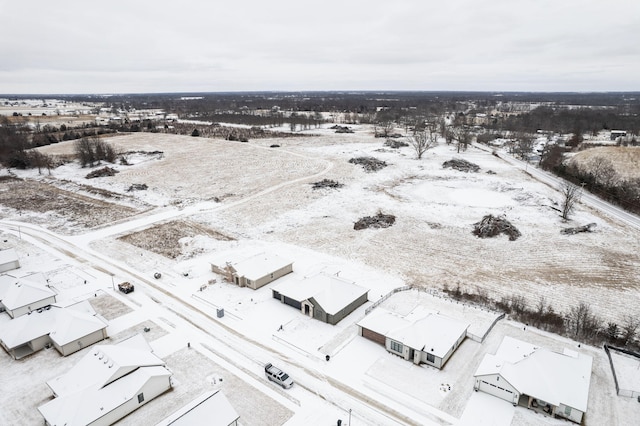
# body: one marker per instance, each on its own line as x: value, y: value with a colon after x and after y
x: 420, y: 329
x: 62, y: 324
x: 18, y: 292
x: 255, y: 266
x: 209, y: 409
x: 330, y: 291
x: 557, y: 378
x: 105, y: 364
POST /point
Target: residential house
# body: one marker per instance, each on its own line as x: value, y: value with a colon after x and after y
x: 8, y: 260
x: 108, y: 383
x: 327, y: 298
x: 19, y: 296
x: 423, y: 337
x: 537, y: 378
x: 255, y: 271
x: 67, y: 329
x: 209, y: 409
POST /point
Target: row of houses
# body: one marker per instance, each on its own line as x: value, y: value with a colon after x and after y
x: 520, y: 373
x: 327, y: 298
x: 110, y: 381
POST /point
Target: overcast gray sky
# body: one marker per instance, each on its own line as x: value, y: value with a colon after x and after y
x: 114, y: 46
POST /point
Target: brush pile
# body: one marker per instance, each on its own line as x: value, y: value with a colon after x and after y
x: 370, y: 164
x: 491, y: 225
x: 380, y: 220
x: 461, y: 165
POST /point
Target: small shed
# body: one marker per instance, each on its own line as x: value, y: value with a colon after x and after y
x: 254, y: 271
x: 19, y: 296
x: 8, y: 260
x: 327, y: 298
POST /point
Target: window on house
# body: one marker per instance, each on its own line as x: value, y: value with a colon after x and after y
x: 396, y: 346
x: 140, y: 397
x: 431, y: 358
x: 567, y: 411
x: 248, y: 282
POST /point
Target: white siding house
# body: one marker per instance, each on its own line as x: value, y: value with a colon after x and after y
x: 108, y: 383
x: 421, y: 337
x: 8, y: 260
x: 67, y: 329
x: 19, y: 296
x: 540, y: 379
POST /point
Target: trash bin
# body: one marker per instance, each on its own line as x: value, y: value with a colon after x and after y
x: 327, y: 357
x: 220, y: 312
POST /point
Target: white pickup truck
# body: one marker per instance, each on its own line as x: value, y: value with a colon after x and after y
x: 278, y: 376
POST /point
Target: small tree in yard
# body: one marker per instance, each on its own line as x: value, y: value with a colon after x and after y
x: 570, y: 196
x: 423, y: 140
x: 582, y: 323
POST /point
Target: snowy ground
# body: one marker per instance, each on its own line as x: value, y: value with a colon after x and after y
x: 261, y: 198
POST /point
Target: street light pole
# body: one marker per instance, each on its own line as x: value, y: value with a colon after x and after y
x: 349, y: 416
x: 112, y: 283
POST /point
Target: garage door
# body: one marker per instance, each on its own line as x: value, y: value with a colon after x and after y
x: 496, y: 390
x: 372, y: 335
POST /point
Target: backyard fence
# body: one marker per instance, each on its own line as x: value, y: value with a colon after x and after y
x: 621, y: 392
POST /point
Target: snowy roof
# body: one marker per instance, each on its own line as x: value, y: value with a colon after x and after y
x: 86, y: 405
x: 331, y: 292
x: 18, y: 292
x: 63, y: 325
x: 256, y: 266
x: 75, y: 322
x: 557, y: 378
x: 8, y: 256
x: 105, y: 364
x: 429, y: 332
x: 209, y: 409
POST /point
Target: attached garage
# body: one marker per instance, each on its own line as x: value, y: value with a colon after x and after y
x: 493, y: 385
x: 372, y: 335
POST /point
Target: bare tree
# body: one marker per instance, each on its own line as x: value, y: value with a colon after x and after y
x: 570, y: 196
x: 602, y: 171
x: 384, y: 130
x: 630, y: 328
x: 524, y: 145
x: 581, y: 322
x: 463, y: 136
x: 423, y: 140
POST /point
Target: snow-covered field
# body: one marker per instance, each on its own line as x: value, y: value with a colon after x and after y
x: 260, y: 198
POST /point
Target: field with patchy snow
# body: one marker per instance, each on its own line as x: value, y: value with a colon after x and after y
x: 264, y: 193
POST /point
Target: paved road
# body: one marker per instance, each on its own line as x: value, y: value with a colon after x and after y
x: 557, y: 183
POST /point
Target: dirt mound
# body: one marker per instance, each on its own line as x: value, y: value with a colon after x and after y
x: 105, y: 171
x: 461, y: 165
x: 491, y: 225
x: 370, y: 164
x: 378, y: 221
x: 327, y: 183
